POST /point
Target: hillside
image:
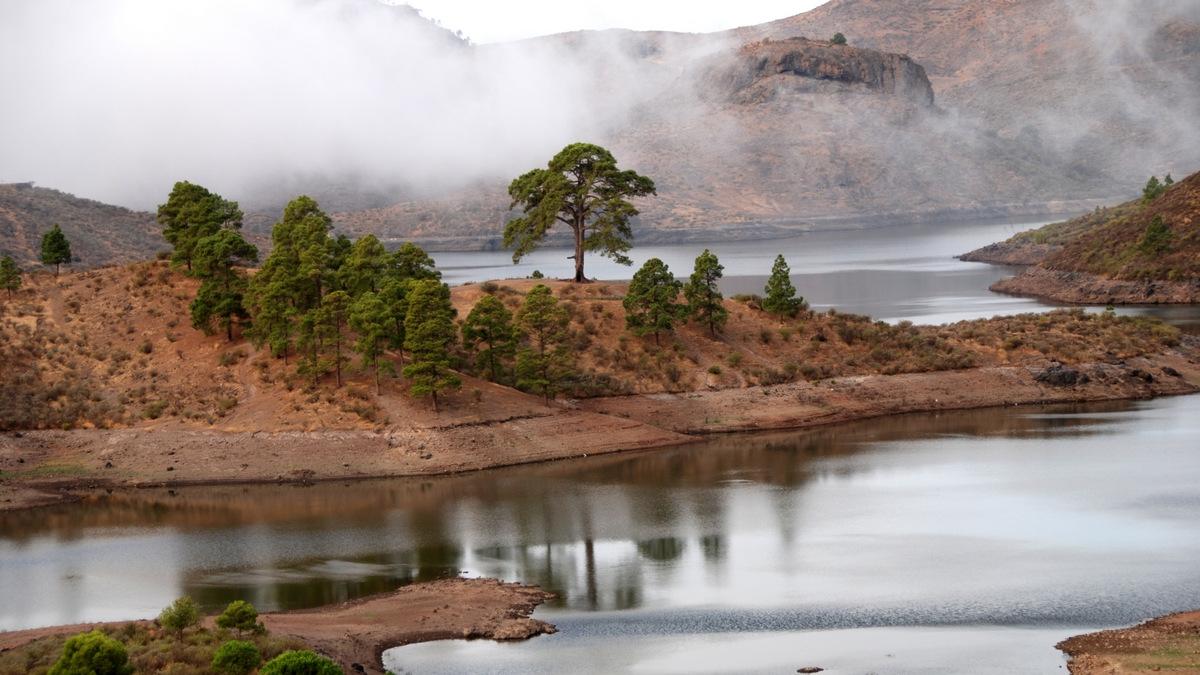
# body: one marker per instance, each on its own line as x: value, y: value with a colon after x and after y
x: 1108, y: 256
x: 106, y: 383
x: 1047, y: 107
x: 100, y: 234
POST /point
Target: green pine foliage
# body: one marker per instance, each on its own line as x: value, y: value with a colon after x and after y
x: 780, y: 298
x: 371, y: 320
x: 92, y: 653
x: 705, y: 302
x: 236, y: 657
x: 300, y: 662
x: 543, y: 362
x: 488, y: 332
x: 650, y: 305
x: 190, y: 214
x: 179, y: 615
x: 56, y: 250
x: 242, y: 617
x: 364, y: 267
x: 10, y: 275
x: 1156, y: 240
x: 1155, y: 188
x: 582, y: 187
x: 429, y: 335
x: 216, y: 261
x: 838, y: 39
x: 411, y: 262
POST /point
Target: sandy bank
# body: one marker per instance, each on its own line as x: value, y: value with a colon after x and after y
x: 356, y: 633
x: 1166, y: 644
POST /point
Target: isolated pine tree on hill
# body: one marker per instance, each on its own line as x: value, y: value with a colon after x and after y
x: 56, y: 250
x: 650, y: 304
x: 780, y: 293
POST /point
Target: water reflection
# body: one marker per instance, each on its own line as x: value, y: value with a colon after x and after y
x: 863, y: 515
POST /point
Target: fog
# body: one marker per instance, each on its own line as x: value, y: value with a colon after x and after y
x: 115, y: 100
x: 366, y: 104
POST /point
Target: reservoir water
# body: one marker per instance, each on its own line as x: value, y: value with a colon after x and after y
x: 965, y: 542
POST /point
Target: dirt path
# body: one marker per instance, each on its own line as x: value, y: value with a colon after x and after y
x: 1167, y: 644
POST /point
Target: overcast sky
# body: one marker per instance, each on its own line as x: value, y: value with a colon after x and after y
x: 499, y: 20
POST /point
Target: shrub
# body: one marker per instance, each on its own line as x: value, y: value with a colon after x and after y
x: 240, y: 616
x: 537, y: 274
x: 734, y: 359
x: 300, y: 663
x: 92, y: 653
x: 236, y: 657
x: 838, y: 39
x: 179, y: 615
x: 714, y: 369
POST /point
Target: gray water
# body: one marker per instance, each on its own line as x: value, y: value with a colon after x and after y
x: 905, y: 272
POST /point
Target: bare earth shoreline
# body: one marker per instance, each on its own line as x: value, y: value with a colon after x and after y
x: 63, y: 463
x: 356, y: 633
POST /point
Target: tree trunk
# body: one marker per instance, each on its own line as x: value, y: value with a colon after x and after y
x: 229, y: 330
x: 579, y: 278
x: 435, y: 403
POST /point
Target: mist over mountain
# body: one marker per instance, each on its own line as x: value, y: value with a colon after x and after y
x: 936, y: 109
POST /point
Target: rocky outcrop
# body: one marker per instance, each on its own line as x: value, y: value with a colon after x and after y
x: 1094, y: 289
x: 766, y: 68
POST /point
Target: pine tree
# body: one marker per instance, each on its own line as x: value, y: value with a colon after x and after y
x: 334, y: 313
x: 10, y: 275
x: 650, y: 305
x: 429, y: 334
x: 412, y: 262
x: 394, y: 296
x: 780, y: 293
x: 192, y: 213
x: 1156, y: 239
x: 372, y: 321
x: 488, y: 331
x: 703, y: 295
x: 542, y: 361
x: 291, y: 281
x: 56, y: 250
x: 1154, y: 189
x: 312, y: 336
x: 220, y: 298
x: 364, y: 267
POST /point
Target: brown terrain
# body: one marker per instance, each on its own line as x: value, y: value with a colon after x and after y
x: 1102, y: 258
x: 356, y: 633
x: 107, y: 385
x: 99, y: 233
x: 1166, y: 644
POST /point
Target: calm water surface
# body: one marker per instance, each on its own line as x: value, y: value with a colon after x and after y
x: 905, y: 272
x: 911, y: 544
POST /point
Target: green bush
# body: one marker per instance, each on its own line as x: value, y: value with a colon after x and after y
x: 240, y: 616
x: 838, y: 39
x: 300, y: 663
x: 179, y: 615
x: 92, y: 653
x: 236, y: 657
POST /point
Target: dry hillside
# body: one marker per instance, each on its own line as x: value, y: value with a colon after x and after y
x: 1108, y: 255
x: 113, y: 347
x: 99, y: 233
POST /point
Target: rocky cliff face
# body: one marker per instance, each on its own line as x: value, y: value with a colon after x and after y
x: 764, y: 69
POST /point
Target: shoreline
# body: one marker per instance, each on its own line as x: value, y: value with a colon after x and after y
x: 357, y: 632
x: 67, y: 464
x: 1166, y: 643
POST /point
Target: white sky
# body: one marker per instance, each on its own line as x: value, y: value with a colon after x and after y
x: 498, y: 20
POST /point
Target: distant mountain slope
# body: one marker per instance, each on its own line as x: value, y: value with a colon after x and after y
x: 1137, y: 252
x: 99, y: 233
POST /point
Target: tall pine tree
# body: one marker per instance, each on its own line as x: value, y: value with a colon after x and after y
x: 10, y: 275
x: 781, y: 297
x: 220, y: 298
x: 429, y: 335
x: 650, y: 305
x: 372, y: 321
x: 56, y: 250
x: 705, y: 303
x: 489, y: 333
x: 192, y: 213
x: 543, y: 362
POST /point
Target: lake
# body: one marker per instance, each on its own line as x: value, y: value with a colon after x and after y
x: 954, y: 542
